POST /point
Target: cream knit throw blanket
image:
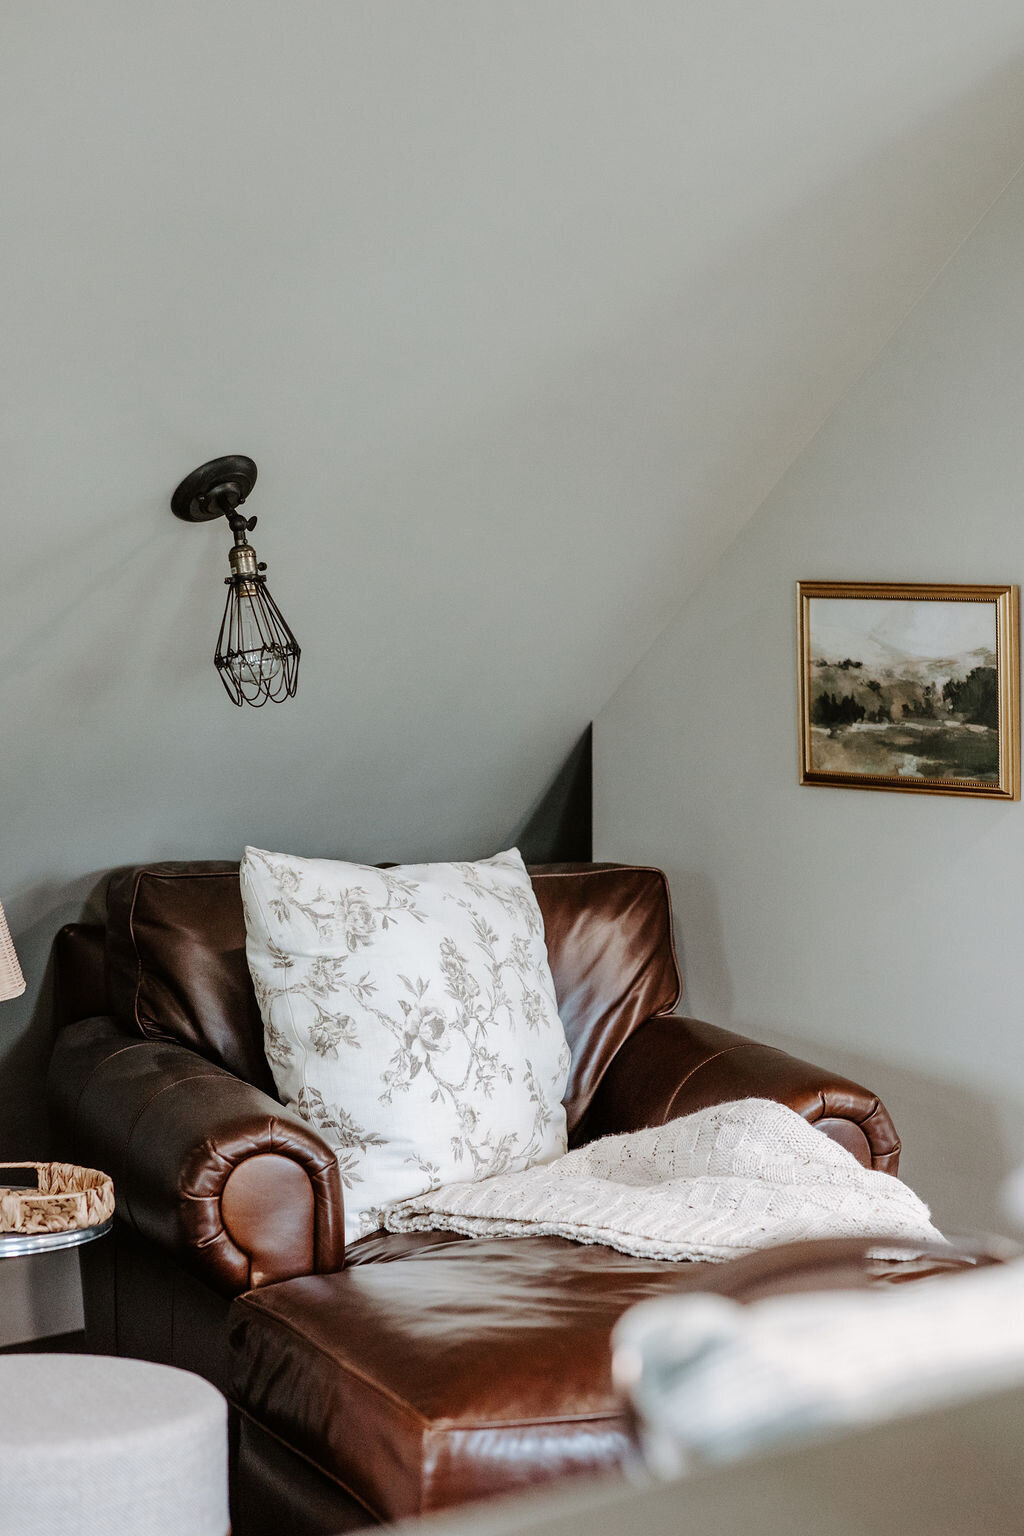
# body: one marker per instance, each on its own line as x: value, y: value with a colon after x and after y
x: 713, y: 1185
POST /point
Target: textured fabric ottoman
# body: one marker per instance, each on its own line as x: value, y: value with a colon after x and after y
x: 91, y: 1446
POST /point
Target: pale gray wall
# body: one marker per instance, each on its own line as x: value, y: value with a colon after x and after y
x: 877, y: 932
x: 521, y: 308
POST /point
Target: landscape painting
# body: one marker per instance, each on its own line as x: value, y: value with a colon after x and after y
x: 910, y: 687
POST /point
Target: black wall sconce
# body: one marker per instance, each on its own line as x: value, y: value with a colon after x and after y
x: 257, y: 655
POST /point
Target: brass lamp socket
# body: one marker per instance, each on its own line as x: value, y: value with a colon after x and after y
x: 242, y: 560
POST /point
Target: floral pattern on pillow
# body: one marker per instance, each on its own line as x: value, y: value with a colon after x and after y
x: 409, y: 1015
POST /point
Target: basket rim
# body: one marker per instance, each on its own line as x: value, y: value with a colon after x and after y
x: 86, y: 1195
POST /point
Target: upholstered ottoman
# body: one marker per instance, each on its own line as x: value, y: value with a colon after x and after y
x: 473, y: 1367
x: 91, y: 1446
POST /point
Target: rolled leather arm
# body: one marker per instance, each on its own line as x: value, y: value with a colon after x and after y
x: 672, y: 1066
x: 214, y: 1170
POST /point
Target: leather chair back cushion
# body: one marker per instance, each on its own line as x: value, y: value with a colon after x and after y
x: 176, y: 967
x: 608, y: 929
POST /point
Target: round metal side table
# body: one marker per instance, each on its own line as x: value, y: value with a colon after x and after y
x: 14, y: 1244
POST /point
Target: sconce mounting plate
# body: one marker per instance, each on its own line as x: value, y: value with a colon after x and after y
x: 231, y: 478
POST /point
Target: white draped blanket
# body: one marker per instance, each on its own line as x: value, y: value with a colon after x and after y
x: 713, y: 1185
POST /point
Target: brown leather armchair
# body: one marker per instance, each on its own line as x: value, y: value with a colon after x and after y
x: 410, y: 1373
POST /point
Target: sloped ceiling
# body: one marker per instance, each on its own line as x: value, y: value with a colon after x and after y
x: 521, y: 309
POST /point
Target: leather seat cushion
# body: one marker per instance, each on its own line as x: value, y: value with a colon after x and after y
x: 469, y: 1368
x: 437, y: 1369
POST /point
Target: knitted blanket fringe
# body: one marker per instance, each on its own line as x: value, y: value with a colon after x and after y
x: 712, y: 1186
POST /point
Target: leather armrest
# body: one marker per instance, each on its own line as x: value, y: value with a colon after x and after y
x: 217, y: 1172
x: 672, y: 1066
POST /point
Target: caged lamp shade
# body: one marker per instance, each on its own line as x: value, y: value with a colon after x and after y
x: 257, y: 656
x: 12, y: 982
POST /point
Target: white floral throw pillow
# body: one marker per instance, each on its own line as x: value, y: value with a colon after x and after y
x: 409, y: 1015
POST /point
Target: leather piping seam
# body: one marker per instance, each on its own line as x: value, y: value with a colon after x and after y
x: 827, y: 1114
x: 438, y: 1433
x: 138, y: 956
x: 643, y: 869
x: 386, y: 1393
x: 251, y: 1253
x: 332, y: 1477
x: 594, y: 874
x: 726, y: 1050
x: 129, y: 1045
x: 875, y: 1107
x: 823, y: 1111
x: 665, y: 1009
x: 230, y: 1167
x: 459, y: 1426
x: 169, y: 1088
x: 440, y: 1426
x: 443, y: 1425
x: 897, y: 1145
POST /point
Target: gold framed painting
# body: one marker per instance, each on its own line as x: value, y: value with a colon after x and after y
x: 910, y: 687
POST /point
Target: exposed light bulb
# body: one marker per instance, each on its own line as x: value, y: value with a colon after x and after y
x: 257, y: 655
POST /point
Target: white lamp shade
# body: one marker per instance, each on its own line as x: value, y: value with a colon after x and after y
x: 12, y: 982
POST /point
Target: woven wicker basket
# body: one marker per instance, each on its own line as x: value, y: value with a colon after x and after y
x: 68, y: 1198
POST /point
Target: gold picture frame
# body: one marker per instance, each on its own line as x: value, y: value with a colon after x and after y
x: 917, y: 698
